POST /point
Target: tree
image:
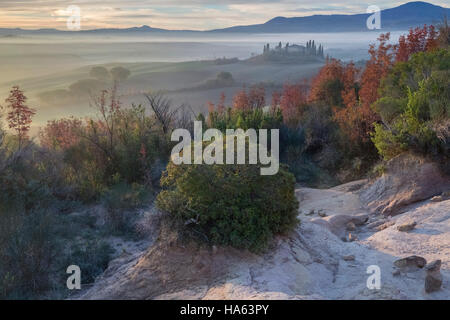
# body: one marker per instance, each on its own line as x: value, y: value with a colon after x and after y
x: 257, y: 97
x: 240, y: 100
x: 20, y: 115
x: 418, y: 40
x: 86, y: 87
x: 61, y: 134
x: 221, y: 105
x: 225, y: 76
x: 327, y: 86
x: 100, y: 73
x: 120, y: 74
x: 379, y: 65
x: 350, y: 91
x: 292, y: 102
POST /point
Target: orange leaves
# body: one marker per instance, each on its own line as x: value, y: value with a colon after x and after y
x: 380, y: 63
x: 350, y: 87
x: 292, y: 100
x: 240, y: 100
x: 255, y: 98
x: 336, y: 84
x: 60, y: 134
x: 321, y: 86
x: 418, y: 40
x: 356, y: 122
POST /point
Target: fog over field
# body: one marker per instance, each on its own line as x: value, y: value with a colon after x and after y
x: 180, y: 63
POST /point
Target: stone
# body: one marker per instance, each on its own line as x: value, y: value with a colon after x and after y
x: 407, y: 179
x: 322, y: 214
x: 360, y: 219
x: 411, y: 262
x: 385, y: 225
x: 350, y: 226
x: 434, y: 266
x: 437, y: 199
x: 433, y: 279
x: 337, y: 223
x: 349, y: 258
x: 376, y: 224
x: 396, y: 273
x: 433, y: 282
x: 407, y: 227
x: 311, y: 212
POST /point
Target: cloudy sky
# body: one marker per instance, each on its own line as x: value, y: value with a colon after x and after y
x: 172, y: 14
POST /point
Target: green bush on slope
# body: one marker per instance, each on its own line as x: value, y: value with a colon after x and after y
x: 230, y: 204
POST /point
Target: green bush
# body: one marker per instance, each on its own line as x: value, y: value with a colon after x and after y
x: 230, y: 204
x: 415, y: 107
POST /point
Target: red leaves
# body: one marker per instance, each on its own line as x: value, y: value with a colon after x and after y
x: 60, y: 134
x: 380, y: 63
x: 418, y: 40
x: 350, y: 91
x: 332, y: 71
x: 19, y: 116
x: 292, y: 100
x: 255, y: 98
x: 336, y: 84
x: 240, y: 100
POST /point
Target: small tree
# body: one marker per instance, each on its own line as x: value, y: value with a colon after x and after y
x: 19, y: 116
x: 120, y: 74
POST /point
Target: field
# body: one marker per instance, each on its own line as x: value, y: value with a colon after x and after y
x: 182, y: 65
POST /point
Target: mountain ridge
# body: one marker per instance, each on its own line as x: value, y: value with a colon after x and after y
x: 402, y: 17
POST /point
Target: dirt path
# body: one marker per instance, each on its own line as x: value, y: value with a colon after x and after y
x: 312, y: 263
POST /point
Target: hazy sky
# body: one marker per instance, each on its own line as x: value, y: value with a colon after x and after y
x: 172, y: 14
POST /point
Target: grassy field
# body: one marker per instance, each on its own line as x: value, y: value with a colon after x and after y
x: 183, y: 81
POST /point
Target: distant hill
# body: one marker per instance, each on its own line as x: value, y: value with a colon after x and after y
x: 403, y: 17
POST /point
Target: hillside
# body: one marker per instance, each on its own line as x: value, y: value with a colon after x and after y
x: 317, y: 261
x: 403, y: 17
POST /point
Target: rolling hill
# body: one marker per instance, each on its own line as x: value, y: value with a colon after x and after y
x: 403, y: 17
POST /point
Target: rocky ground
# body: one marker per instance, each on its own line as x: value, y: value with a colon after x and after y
x: 399, y: 222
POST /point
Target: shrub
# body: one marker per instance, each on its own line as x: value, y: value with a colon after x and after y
x: 230, y: 204
x: 27, y: 251
x: 122, y: 145
x: 121, y: 198
x: 414, y: 105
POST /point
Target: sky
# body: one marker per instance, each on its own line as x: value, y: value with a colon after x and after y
x: 171, y: 14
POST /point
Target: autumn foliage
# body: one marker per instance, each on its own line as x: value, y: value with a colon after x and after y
x: 253, y: 98
x: 19, y: 115
x: 292, y: 101
x: 381, y: 61
x: 61, y: 134
x: 418, y: 40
